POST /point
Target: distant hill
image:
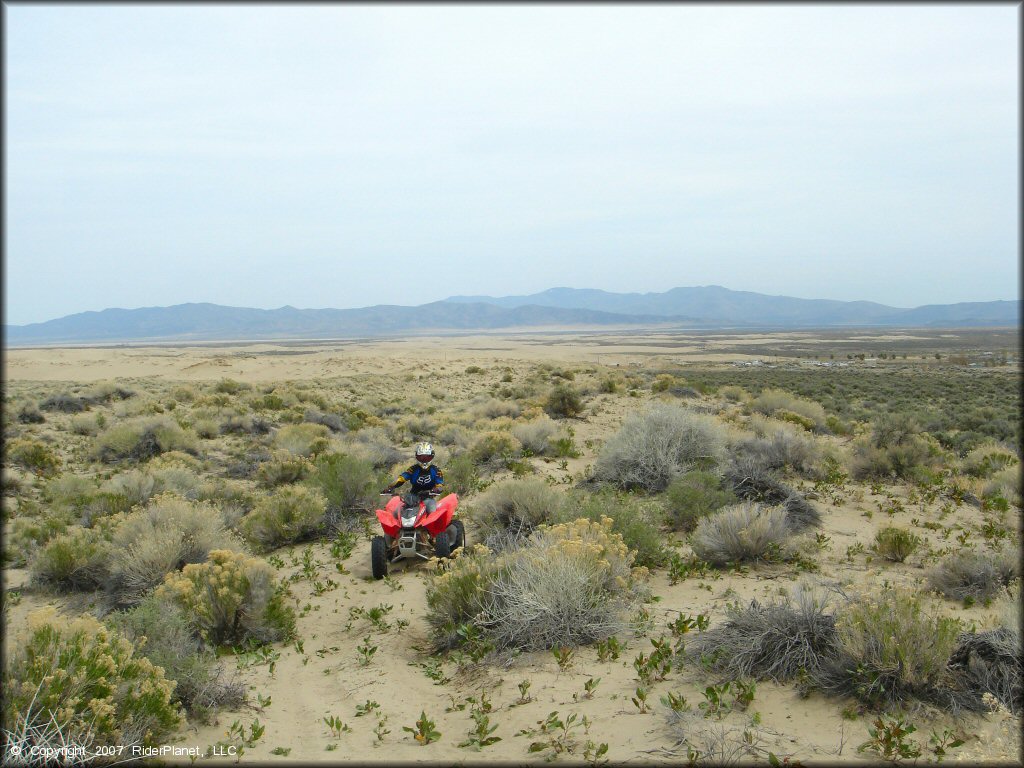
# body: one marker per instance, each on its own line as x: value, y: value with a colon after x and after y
x: 702, y: 307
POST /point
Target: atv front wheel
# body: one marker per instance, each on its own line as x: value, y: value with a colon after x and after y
x: 442, y: 546
x: 379, y: 557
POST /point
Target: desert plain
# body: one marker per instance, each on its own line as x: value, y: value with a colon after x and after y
x: 387, y: 394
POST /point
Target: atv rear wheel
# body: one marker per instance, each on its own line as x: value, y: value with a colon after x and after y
x: 379, y: 557
x: 456, y: 534
x: 442, y: 546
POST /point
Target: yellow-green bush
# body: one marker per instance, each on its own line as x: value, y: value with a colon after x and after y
x: 75, y: 560
x: 142, y: 438
x: 302, y: 439
x: 495, y: 449
x: 288, y: 515
x: 232, y: 598
x: 83, y: 684
x: 168, y: 534
x: 27, y: 534
x: 33, y: 455
x: 775, y: 402
x: 891, y: 648
x: 569, y: 584
x: 987, y: 459
x: 282, y: 468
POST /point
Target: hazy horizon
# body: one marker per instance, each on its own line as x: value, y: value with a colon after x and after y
x: 342, y: 156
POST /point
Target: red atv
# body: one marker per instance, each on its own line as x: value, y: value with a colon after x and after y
x: 410, y: 532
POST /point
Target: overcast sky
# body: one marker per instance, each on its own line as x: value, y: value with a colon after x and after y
x: 349, y: 155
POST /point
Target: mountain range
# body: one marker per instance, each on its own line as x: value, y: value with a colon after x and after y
x: 706, y: 307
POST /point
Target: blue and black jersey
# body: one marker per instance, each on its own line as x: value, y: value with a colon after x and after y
x: 421, y: 479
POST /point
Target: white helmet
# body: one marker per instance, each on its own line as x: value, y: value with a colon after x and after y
x: 424, y: 454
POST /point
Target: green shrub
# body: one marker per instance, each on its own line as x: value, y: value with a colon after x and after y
x: 494, y: 450
x: 302, y: 439
x: 168, y: 534
x: 896, y: 544
x: 283, y: 468
x: 636, y: 520
x: 742, y: 532
x: 567, y: 585
x: 84, y: 424
x: 79, y: 683
x: 33, y: 455
x: 778, y: 402
x: 288, y: 515
x: 232, y: 599
x: 891, y: 650
x: 29, y: 413
x: 980, y: 575
x: 694, y: 496
x: 71, y: 492
x: 136, y: 485
x: 349, y: 484
x: 564, y: 401
x: 513, y: 508
x: 461, y: 476
x: 652, y: 449
x: 161, y: 631
x: 27, y: 534
x: 75, y: 560
x: 230, y: 386
x: 987, y: 459
x: 142, y: 438
x: 535, y: 436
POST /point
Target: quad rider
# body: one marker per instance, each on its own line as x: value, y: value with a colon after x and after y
x: 423, y: 476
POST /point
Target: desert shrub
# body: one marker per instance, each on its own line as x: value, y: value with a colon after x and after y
x: 783, y: 450
x: 992, y: 662
x: 778, y: 402
x: 494, y: 450
x: 567, y: 585
x: 232, y: 498
x: 896, y: 448
x: 70, y: 491
x: 183, y: 394
x: 168, y: 534
x: 302, y: 439
x: 82, y: 684
x: 564, y: 402
x: 137, y: 485
x: 142, y: 438
x: 516, y: 508
x: 492, y: 408
x: 161, y: 631
x: 108, y: 391
x: 896, y: 544
x: 232, y: 599
x: 733, y: 393
x: 609, y: 385
x: 230, y: 386
x: 104, y: 505
x: 535, y: 435
x: 456, y: 437
x: 571, y: 585
x: 987, y: 459
x: 282, y: 468
x: 969, y: 574
x: 372, y: 443
x: 84, y: 424
x: 29, y: 413
x: 636, y: 520
x: 1004, y: 483
x: 692, y: 497
x: 742, y: 532
x: 207, y: 429
x: 891, y: 650
x: 652, y: 449
x: 663, y: 382
x: 751, y: 481
x: 332, y: 421
x: 461, y: 476
x: 290, y: 514
x: 245, y: 425
x: 780, y: 640
x: 75, y: 560
x: 27, y: 534
x: 348, y: 483
x: 66, y: 403
x: 33, y: 455
x: 175, y: 478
